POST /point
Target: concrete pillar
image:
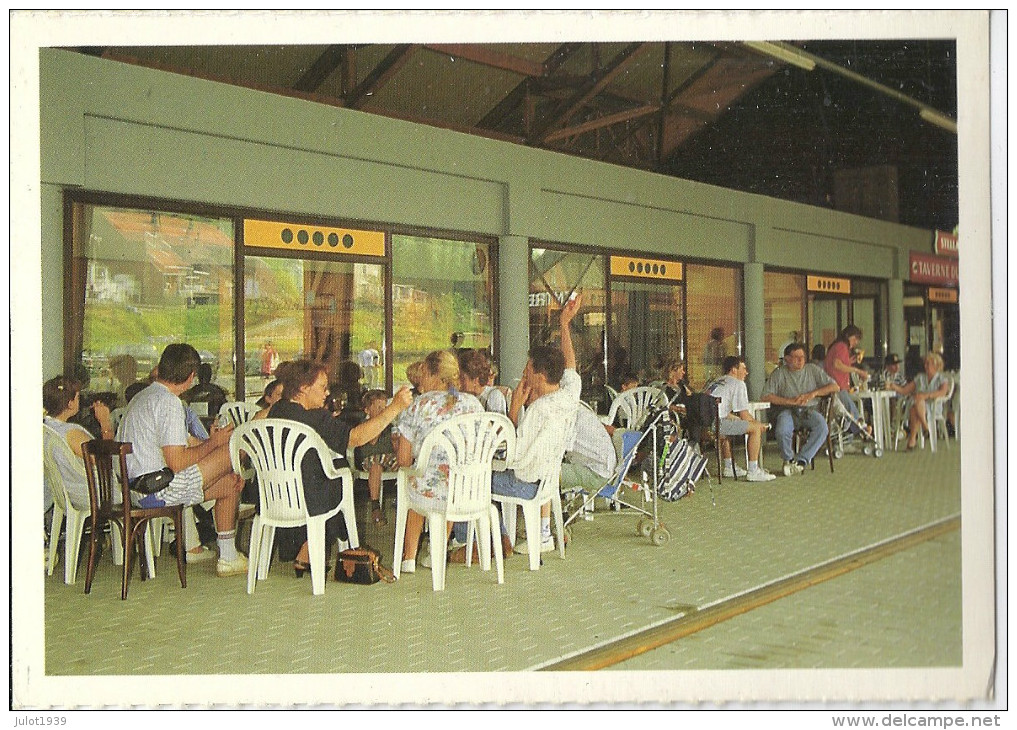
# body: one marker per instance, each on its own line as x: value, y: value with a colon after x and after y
x: 52, y: 283
x: 755, y: 339
x: 513, y: 306
x: 896, y: 334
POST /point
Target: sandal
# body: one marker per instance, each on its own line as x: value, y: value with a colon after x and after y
x: 300, y: 567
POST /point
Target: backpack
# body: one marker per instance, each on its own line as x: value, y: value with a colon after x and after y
x: 700, y: 414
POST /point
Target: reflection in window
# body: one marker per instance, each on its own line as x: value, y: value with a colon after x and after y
x: 440, y: 288
x: 554, y: 275
x: 143, y: 279
x: 870, y: 315
x: 332, y: 312
x: 714, y: 300
x: 783, y: 313
x: 647, y: 327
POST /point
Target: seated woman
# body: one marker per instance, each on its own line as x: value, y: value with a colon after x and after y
x: 305, y: 388
x: 377, y: 455
x: 924, y: 390
x: 676, y: 389
x: 61, y: 397
x: 439, y: 400
x: 475, y: 372
x: 273, y: 392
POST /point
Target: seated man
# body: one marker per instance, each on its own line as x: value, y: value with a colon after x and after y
x: 155, y: 425
x: 891, y: 377
x: 550, y: 393
x: 795, y: 387
x: 206, y: 392
x: 736, y: 421
x: 590, y: 457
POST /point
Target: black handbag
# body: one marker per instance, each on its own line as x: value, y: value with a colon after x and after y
x: 153, y: 481
x: 362, y: 566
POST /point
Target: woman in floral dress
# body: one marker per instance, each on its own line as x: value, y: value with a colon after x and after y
x: 440, y: 399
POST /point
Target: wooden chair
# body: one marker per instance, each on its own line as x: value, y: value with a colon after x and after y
x: 718, y: 439
x: 826, y: 409
x: 105, y: 481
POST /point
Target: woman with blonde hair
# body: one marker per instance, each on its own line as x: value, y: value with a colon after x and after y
x: 924, y: 390
x: 440, y: 399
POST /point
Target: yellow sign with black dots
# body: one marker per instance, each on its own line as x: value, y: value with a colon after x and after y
x: 645, y: 268
x: 943, y: 296
x: 301, y: 237
x: 828, y: 285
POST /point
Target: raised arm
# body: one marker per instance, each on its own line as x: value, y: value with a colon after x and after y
x: 568, y: 313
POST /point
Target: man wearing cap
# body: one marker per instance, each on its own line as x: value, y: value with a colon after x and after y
x: 891, y: 378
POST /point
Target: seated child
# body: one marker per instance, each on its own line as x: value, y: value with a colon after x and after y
x: 376, y: 456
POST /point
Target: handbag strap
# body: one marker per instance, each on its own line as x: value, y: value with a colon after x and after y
x: 384, y: 573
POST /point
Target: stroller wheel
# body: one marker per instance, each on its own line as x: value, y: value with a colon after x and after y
x: 867, y: 450
x: 838, y: 453
x: 878, y: 452
x: 660, y: 536
x: 644, y: 527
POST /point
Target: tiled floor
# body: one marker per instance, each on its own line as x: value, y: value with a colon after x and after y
x: 725, y: 541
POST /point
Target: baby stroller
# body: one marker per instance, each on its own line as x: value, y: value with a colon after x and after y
x: 674, y: 477
x: 841, y: 436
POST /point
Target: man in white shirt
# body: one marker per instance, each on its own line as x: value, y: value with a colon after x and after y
x: 155, y: 425
x: 736, y: 421
x: 550, y: 389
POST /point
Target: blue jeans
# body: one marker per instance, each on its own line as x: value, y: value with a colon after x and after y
x: 808, y: 418
x: 504, y: 483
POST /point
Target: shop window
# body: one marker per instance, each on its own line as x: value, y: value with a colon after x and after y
x: 714, y: 301
x: 329, y: 311
x: 440, y: 289
x: 555, y: 274
x: 783, y: 313
x: 141, y: 279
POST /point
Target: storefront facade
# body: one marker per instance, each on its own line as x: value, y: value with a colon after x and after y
x: 448, y: 234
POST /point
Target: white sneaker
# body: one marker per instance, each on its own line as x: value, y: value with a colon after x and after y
x: 760, y: 475
x: 200, y: 556
x: 226, y: 568
x: 793, y: 468
x: 732, y: 473
x: 408, y: 566
x: 546, y: 546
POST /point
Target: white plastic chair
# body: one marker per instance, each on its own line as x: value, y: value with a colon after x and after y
x: 239, y: 412
x: 935, y: 414
x: 276, y: 448
x: 62, y: 506
x: 548, y: 490
x: 634, y: 406
x: 468, y: 443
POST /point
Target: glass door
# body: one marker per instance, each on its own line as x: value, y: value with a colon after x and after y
x: 827, y: 316
x: 647, y: 327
